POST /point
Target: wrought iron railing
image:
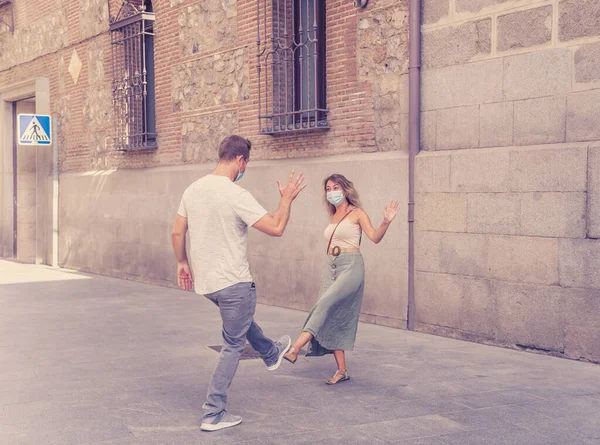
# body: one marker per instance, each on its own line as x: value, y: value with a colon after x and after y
x: 132, y: 34
x: 291, y: 65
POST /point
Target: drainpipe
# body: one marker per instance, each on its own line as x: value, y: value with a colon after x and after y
x: 414, y: 142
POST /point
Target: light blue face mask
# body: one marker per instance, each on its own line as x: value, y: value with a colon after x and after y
x: 240, y: 174
x: 336, y: 197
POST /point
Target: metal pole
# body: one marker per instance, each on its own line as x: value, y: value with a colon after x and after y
x: 37, y: 204
x: 55, y: 193
x: 414, y: 141
x: 15, y: 178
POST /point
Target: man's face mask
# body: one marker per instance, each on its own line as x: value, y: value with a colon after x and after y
x: 241, y: 173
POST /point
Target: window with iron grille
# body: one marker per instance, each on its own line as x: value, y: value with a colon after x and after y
x: 291, y: 65
x: 7, y: 18
x: 132, y: 43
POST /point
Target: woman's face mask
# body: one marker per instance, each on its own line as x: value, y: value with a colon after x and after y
x: 335, y: 197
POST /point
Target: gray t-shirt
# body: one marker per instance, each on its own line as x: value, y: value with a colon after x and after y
x: 219, y: 213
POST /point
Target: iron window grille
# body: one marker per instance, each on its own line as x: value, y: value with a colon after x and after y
x: 291, y: 65
x: 132, y: 43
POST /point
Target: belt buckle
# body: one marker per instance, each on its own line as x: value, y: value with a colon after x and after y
x: 336, y: 251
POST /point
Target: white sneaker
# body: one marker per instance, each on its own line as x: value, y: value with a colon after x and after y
x: 223, y: 420
x: 283, y: 345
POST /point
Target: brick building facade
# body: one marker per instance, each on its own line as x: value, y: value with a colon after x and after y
x: 507, y: 190
x: 186, y: 54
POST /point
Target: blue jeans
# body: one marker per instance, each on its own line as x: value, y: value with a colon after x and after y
x: 237, y: 305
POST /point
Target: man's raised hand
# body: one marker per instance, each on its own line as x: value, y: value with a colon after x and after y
x: 293, y: 187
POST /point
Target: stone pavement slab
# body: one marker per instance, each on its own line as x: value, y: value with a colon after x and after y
x: 90, y: 360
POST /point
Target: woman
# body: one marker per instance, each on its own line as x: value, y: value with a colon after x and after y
x: 332, y: 323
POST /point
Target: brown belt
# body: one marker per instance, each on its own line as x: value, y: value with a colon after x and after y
x: 336, y: 251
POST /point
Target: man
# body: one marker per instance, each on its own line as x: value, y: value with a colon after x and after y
x: 217, y: 212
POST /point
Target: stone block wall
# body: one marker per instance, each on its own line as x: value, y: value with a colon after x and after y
x: 506, y: 246
x: 507, y: 208
x: 510, y: 73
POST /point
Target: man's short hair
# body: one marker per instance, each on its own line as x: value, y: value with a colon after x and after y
x: 233, y: 146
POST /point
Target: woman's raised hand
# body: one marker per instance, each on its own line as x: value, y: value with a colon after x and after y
x: 390, y: 211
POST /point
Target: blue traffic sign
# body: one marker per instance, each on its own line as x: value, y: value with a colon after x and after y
x: 34, y: 129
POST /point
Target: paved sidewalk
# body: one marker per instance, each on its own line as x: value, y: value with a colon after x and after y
x: 93, y: 360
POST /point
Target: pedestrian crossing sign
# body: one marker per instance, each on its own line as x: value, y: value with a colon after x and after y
x: 34, y: 129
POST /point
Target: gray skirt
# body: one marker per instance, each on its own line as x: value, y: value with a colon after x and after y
x: 334, y: 319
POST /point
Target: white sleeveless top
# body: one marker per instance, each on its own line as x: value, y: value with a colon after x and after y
x: 347, y: 235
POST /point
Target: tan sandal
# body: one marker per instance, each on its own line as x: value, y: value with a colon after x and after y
x: 291, y: 351
x: 338, y: 377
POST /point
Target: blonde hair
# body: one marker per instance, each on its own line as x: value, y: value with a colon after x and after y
x: 348, y: 188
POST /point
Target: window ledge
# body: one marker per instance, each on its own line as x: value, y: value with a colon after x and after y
x: 297, y: 128
x: 149, y: 147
